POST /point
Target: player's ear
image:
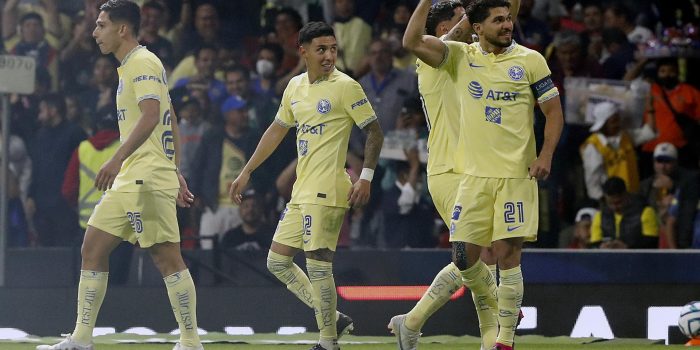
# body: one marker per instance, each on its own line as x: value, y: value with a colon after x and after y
x: 302, y: 50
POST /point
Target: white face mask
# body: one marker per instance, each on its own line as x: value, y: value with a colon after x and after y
x: 265, y: 68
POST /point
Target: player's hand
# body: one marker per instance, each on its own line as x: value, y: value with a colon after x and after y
x: 539, y: 169
x: 108, y: 172
x: 237, y: 186
x: 185, y: 198
x: 359, y: 194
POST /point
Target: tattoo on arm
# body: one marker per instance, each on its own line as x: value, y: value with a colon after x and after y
x: 455, y: 34
x: 373, y: 145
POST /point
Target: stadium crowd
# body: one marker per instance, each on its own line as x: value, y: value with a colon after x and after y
x: 614, y: 184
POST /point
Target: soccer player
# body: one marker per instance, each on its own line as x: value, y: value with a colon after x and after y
x: 322, y: 104
x: 499, y: 83
x: 442, y: 106
x: 141, y: 181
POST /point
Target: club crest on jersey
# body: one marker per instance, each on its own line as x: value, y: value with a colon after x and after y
x: 323, y: 106
x: 120, y: 87
x: 457, y: 211
x: 476, y: 90
x: 303, y: 147
x: 493, y: 115
x: 516, y: 73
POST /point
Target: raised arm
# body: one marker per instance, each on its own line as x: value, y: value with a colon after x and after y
x: 427, y: 48
x: 268, y: 143
x: 9, y: 18
x: 53, y: 22
x: 551, y: 108
x: 462, y: 31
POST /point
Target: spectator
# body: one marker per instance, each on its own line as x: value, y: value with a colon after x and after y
x: 620, y: 53
x: 192, y: 129
x: 102, y: 90
x: 672, y: 226
x: 393, y: 34
x: 287, y: 25
x: 591, y: 37
x: 33, y: 39
x: 387, y: 87
x: 51, y: 150
x: 609, y: 151
x: 25, y: 108
x: 672, y: 184
x: 206, y: 62
x: 152, y: 17
x: 19, y: 165
x: 254, y: 232
x: 625, y: 220
x: 570, y: 59
x: 530, y: 31
x: 676, y: 107
x: 220, y: 158
x: 267, y: 67
x: 261, y: 108
x: 617, y: 15
x: 75, y: 78
x: 578, y: 236
x: 204, y: 30
x: 353, y: 35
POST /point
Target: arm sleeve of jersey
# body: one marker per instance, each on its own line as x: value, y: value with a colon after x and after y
x: 147, y: 81
x: 357, y: 106
x: 540, y: 78
x: 284, y: 116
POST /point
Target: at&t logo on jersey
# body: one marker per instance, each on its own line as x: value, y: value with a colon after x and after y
x: 493, y: 115
x: 311, y: 129
x: 516, y: 73
x: 323, y: 106
x: 477, y: 91
x: 303, y: 147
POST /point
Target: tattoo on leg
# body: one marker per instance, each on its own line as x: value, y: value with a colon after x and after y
x: 459, y: 255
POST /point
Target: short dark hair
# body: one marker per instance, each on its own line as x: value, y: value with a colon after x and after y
x: 124, y: 11
x: 31, y: 15
x: 667, y: 61
x: 153, y: 5
x: 614, y: 186
x: 56, y: 101
x: 314, y: 30
x: 245, y: 72
x: 203, y: 47
x: 442, y: 11
x: 620, y: 10
x: 480, y: 10
x: 276, y: 49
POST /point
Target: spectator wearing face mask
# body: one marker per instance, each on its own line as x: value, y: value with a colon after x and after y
x: 267, y: 66
x: 676, y: 107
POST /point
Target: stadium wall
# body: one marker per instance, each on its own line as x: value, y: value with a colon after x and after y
x: 572, y: 293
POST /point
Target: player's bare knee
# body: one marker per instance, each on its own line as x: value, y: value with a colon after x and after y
x: 323, y: 254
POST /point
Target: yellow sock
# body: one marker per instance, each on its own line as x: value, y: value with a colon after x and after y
x: 91, y: 292
x: 478, y: 278
x: 510, y: 298
x: 494, y: 271
x: 324, y: 297
x: 183, y: 299
x: 291, y: 275
x: 446, y: 283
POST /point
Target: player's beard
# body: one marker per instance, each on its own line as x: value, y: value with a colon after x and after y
x: 497, y: 41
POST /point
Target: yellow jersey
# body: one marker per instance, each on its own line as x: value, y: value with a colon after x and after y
x: 441, y: 106
x: 323, y: 113
x: 498, y: 94
x: 151, y: 166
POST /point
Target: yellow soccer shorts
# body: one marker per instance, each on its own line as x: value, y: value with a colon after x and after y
x: 310, y: 226
x: 491, y: 209
x: 147, y: 217
x: 443, y: 190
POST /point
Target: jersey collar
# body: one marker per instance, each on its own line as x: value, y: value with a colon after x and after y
x: 130, y: 53
x: 507, y: 51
